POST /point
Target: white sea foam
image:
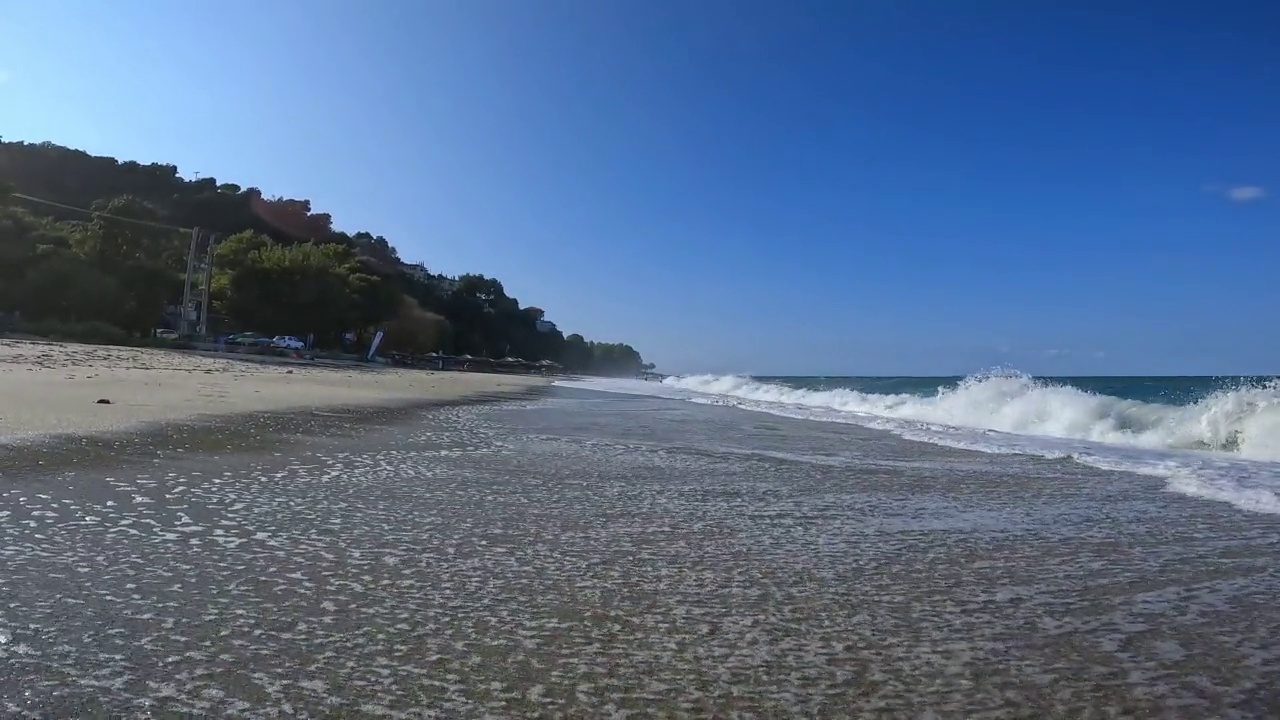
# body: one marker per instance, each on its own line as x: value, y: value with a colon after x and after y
x: 1225, y: 447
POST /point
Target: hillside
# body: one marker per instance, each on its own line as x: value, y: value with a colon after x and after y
x: 86, y: 238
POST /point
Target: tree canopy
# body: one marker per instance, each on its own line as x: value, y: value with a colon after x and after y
x: 107, y: 245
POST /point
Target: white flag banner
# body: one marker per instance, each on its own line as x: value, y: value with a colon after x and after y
x: 373, y: 348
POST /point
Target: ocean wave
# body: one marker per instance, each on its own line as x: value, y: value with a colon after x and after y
x: 1224, y: 447
x: 1243, y: 421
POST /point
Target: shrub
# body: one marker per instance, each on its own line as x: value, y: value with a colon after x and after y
x: 415, y: 330
x: 92, y: 332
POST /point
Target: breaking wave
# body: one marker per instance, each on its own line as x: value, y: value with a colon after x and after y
x: 1224, y: 447
x: 1244, y: 421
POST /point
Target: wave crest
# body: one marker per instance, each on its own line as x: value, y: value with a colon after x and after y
x: 1243, y: 421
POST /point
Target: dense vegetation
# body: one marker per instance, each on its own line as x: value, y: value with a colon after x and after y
x: 279, y: 267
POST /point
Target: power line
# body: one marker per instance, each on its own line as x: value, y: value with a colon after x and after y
x: 205, y: 269
x: 148, y: 223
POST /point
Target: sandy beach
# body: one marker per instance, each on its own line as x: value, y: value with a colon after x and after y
x: 53, y: 388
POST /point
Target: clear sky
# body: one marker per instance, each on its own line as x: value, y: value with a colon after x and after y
x: 777, y: 187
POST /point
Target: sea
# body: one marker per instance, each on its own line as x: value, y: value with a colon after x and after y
x: 1213, y: 437
x: 987, y: 547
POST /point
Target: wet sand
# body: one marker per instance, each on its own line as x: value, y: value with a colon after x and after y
x: 53, y: 388
x: 583, y: 557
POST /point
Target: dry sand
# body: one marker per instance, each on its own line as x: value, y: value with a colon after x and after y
x: 53, y: 388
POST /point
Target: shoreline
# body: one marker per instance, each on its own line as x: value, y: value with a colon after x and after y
x: 214, y: 437
x: 51, y: 391
x: 774, y: 566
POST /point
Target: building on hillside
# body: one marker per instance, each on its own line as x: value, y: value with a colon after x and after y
x: 417, y: 271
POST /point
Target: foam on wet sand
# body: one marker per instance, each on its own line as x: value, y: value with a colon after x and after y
x: 588, y: 555
x: 54, y: 388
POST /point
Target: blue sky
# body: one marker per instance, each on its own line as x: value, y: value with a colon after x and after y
x: 738, y: 186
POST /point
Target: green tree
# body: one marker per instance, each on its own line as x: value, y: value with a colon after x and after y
x: 290, y: 290
x: 282, y: 268
x: 298, y: 289
x: 376, y: 299
x: 145, y: 290
x: 232, y: 253
x: 576, y: 355
x: 415, y: 330
x: 64, y: 286
x: 125, y: 230
x: 23, y: 239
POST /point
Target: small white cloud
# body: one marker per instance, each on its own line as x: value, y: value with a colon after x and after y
x: 1056, y: 352
x: 1246, y: 193
x: 1236, y: 193
x: 1099, y: 354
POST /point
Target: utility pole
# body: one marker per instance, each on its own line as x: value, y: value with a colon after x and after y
x: 184, y: 325
x: 206, y: 283
x: 196, y: 286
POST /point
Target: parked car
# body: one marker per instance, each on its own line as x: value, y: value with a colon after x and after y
x: 288, y: 342
x: 166, y: 334
x: 248, y: 339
